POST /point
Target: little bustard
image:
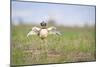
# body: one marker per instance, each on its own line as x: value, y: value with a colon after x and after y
x: 43, y: 32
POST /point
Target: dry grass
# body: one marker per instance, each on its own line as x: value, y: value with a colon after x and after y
x: 75, y: 44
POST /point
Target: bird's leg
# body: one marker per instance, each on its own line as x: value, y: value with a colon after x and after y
x: 41, y: 44
x: 45, y: 45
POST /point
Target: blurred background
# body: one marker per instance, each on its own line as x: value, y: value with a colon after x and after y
x: 54, y: 14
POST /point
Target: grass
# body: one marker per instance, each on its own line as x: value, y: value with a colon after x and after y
x: 74, y: 45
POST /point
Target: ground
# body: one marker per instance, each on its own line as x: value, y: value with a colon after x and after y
x: 74, y: 45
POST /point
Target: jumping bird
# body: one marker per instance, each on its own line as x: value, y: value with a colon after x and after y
x: 43, y: 32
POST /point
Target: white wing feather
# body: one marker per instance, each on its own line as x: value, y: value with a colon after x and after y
x: 55, y: 32
x: 51, y: 28
x: 34, y: 31
x: 31, y: 33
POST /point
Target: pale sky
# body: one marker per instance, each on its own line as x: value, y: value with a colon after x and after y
x: 65, y: 14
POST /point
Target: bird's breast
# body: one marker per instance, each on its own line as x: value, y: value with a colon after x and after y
x: 43, y: 33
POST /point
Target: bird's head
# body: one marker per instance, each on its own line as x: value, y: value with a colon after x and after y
x: 43, y: 24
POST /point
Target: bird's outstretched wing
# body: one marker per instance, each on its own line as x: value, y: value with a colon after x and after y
x: 55, y: 32
x: 52, y: 30
x: 34, y: 31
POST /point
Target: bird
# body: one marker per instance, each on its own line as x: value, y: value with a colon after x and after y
x: 43, y: 32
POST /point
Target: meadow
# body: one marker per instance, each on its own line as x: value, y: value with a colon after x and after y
x: 76, y: 44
